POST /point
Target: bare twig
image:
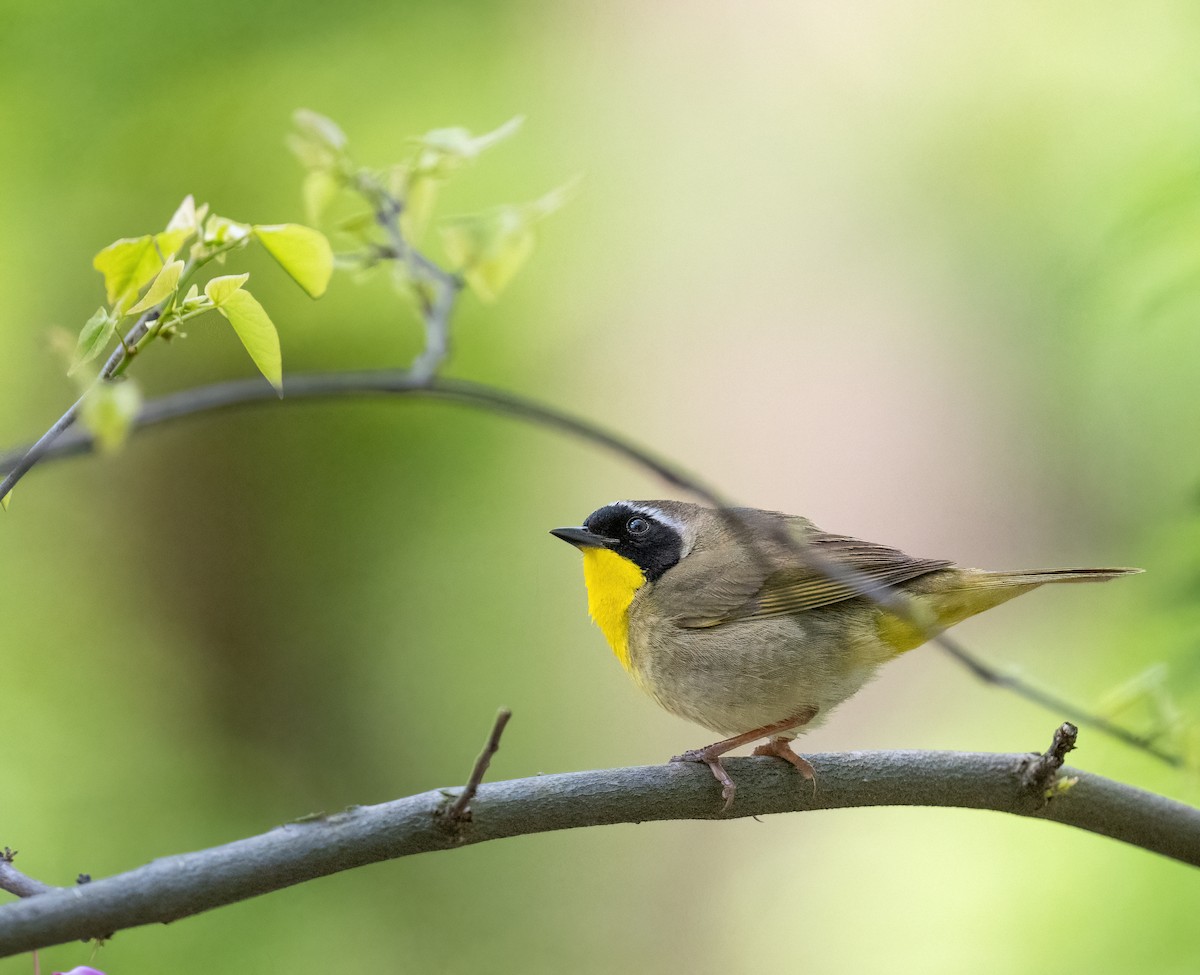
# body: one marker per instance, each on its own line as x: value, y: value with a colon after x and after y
x: 461, y: 807
x: 15, y: 882
x: 179, y: 886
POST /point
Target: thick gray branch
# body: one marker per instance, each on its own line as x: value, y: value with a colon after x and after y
x: 178, y: 886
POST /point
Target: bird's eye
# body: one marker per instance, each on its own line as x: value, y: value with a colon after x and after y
x: 637, y: 526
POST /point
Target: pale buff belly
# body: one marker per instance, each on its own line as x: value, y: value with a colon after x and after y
x: 745, y: 675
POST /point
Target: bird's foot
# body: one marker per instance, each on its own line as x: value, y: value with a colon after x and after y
x: 711, y: 758
x: 781, y: 748
x: 710, y: 755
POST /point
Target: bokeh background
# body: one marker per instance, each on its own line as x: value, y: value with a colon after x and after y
x: 926, y: 272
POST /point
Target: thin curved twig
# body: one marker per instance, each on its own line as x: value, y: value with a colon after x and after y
x: 179, y: 886
x: 300, y: 387
x: 32, y: 454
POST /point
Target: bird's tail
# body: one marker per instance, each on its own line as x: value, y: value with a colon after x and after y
x: 1039, y: 577
x: 975, y: 591
x: 981, y: 589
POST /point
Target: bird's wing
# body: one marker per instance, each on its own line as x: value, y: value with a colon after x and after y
x: 758, y: 591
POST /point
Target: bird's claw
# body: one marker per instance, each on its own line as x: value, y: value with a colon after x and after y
x: 779, y: 748
x: 703, y: 756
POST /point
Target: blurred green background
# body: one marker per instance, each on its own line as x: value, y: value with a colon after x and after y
x: 928, y: 273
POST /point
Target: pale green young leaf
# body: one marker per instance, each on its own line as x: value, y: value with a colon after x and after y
x: 93, y: 338
x: 311, y: 155
x: 317, y: 141
x: 61, y: 344
x: 555, y: 200
x: 218, y: 289
x: 395, y: 179
x: 301, y: 251
x: 489, y: 277
x: 458, y: 144
x: 499, y: 134
x: 219, y: 231
x: 319, y: 128
x: 490, y: 248
x: 320, y: 190
x: 358, y: 224
x: 163, y: 286
x: 185, y: 217
x: 167, y: 243
x: 108, y: 412
x: 128, y: 265
x: 6, y: 499
x: 418, y: 207
x: 191, y: 295
x: 257, y: 333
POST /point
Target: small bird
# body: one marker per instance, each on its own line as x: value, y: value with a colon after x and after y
x: 737, y: 619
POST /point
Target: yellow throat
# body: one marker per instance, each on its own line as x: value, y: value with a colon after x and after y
x: 612, y: 581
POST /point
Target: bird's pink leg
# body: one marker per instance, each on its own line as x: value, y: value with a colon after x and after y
x: 710, y: 755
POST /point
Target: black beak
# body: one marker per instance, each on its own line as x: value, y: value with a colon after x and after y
x: 582, y: 538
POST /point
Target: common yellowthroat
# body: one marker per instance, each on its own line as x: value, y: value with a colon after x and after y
x: 723, y: 620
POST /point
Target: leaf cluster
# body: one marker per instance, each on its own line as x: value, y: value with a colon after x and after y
x: 145, y: 280
x: 155, y: 283
x: 486, y: 249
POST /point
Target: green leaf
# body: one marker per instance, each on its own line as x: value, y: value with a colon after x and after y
x: 320, y: 190
x: 319, y: 129
x: 418, y: 207
x: 446, y: 149
x: 165, y: 285
x: 257, y: 333
x: 555, y: 200
x: 219, y: 289
x: 505, y: 131
x: 185, y: 217
x: 396, y: 178
x: 358, y: 224
x: 490, y: 248
x: 219, y: 231
x: 301, y: 251
x: 93, y: 338
x: 6, y: 499
x: 129, y: 264
x: 317, y: 141
x: 168, y: 242
x: 108, y: 412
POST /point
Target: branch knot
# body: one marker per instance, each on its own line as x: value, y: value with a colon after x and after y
x: 1039, y: 773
